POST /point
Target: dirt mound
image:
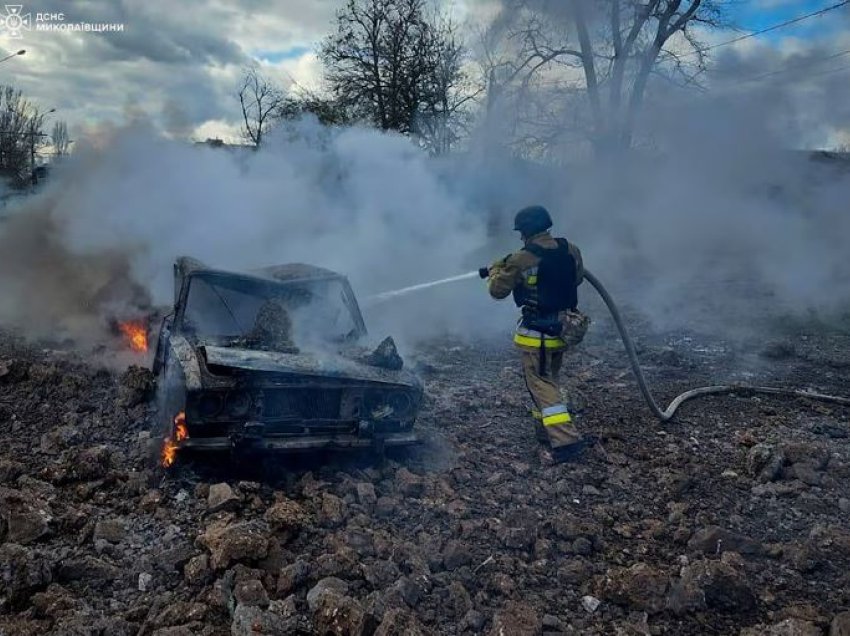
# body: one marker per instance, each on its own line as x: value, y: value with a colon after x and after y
x: 733, y: 519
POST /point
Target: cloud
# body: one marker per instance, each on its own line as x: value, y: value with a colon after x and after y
x: 275, y: 57
x: 170, y: 57
x: 186, y: 58
x: 810, y: 78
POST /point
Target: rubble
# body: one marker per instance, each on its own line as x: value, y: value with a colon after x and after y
x: 325, y: 586
x: 398, y: 622
x: 590, y: 603
x: 332, y: 511
x: 639, y: 586
x: 137, y: 386
x: 469, y: 534
x: 233, y: 542
x: 366, y: 493
x: 518, y: 619
x: 22, y: 573
x: 456, y: 554
x: 111, y: 530
x: 197, y: 571
x: 840, y: 625
x: 335, y: 613
x: 145, y: 580
x: 286, y: 517
x: 718, y: 585
x: 250, y: 620
x: 221, y: 497
x: 386, y: 356
x: 714, y: 540
x: 252, y: 593
x: 788, y: 627
x: 292, y: 577
x: 408, y: 484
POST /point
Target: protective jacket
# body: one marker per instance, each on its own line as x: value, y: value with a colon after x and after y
x: 542, y: 277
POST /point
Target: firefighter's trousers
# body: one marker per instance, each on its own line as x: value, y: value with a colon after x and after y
x: 554, y: 422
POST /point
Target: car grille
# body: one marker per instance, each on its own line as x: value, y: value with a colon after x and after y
x: 301, y: 404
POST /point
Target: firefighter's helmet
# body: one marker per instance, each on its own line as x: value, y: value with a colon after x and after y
x: 532, y: 220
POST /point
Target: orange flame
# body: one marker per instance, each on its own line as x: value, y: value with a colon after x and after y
x: 169, y: 452
x: 169, y: 444
x: 180, y: 430
x: 136, y: 334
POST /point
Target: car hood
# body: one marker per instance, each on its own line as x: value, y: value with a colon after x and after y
x: 327, y: 365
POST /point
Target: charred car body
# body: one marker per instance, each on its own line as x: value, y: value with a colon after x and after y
x: 269, y: 360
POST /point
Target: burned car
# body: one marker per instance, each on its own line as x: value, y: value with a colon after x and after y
x: 271, y: 360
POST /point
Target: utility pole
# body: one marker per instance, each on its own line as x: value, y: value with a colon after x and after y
x: 33, y: 178
x: 33, y: 175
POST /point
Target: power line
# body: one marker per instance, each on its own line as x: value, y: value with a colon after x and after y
x: 759, y: 77
x: 831, y: 70
x: 774, y: 27
x: 791, y: 69
x: 800, y: 66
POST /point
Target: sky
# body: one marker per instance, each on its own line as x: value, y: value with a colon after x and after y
x: 178, y: 64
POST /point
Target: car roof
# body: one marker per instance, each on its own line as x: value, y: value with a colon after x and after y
x: 288, y: 272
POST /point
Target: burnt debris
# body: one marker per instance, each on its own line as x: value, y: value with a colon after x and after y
x: 386, y: 356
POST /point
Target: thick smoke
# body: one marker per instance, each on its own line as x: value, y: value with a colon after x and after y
x: 719, y: 221
x: 717, y: 218
x: 723, y: 222
x: 54, y: 293
x: 367, y: 204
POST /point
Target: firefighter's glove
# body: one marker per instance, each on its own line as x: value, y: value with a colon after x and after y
x: 495, y: 268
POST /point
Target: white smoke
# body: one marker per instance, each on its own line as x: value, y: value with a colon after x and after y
x: 719, y: 221
x: 367, y: 204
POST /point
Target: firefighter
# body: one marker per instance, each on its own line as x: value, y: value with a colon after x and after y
x: 543, y: 277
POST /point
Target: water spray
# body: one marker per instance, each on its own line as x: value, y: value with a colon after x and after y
x: 664, y: 415
x: 377, y: 298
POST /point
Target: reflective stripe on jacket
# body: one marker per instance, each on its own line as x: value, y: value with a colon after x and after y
x: 528, y: 338
x: 520, y: 269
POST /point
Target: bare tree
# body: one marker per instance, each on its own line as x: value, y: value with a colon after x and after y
x: 260, y: 101
x: 328, y: 110
x: 445, y: 114
x: 21, y: 135
x: 391, y: 63
x: 603, y: 51
x: 59, y: 138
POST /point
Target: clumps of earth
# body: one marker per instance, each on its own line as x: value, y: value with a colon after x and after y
x: 735, y: 519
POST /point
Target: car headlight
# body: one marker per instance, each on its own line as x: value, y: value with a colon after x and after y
x: 388, y: 404
x: 210, y: 404
x: 238, y: 404
x: 401, y: 403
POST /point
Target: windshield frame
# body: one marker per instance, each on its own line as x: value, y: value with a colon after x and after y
x: 212, y: 277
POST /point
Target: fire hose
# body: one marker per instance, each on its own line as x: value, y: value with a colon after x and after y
x: 667, y: 414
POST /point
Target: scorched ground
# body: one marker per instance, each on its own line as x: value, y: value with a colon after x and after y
x: 732, y: 520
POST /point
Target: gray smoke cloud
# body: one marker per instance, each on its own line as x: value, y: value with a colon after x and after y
x: 718, y: 222
x: 722, y: 223
x: 117, y: 215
